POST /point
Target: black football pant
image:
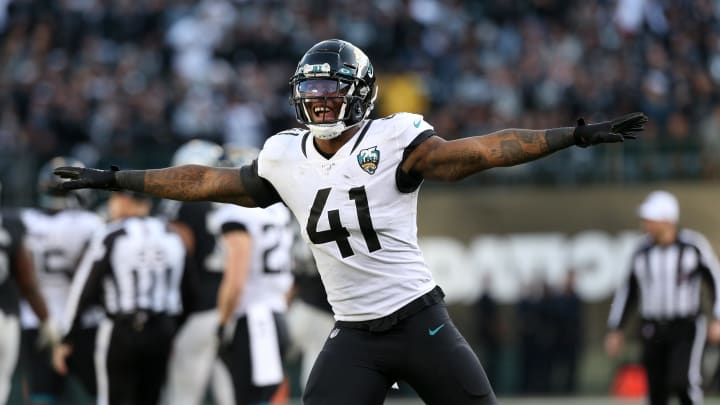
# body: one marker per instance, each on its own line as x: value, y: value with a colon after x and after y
x: 236, y: 358
x: 45, y: 385
x: 425, y: 350
x: 131, y: 359
x: 672, y: 355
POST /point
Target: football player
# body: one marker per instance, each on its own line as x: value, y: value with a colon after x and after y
x: 252, y: 299
x: 57, y: 235
x: 17, y: 274
x: 352, y: 183
x: 195, y: 345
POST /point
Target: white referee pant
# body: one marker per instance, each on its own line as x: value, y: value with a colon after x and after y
x: 308, y: 327
x: 9, y: 350
x: 191, y: 361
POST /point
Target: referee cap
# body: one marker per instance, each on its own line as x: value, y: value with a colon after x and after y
x: 660, y: 206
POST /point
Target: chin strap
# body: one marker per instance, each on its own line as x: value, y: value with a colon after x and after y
x: 330, y: 131
x: 327, y: 131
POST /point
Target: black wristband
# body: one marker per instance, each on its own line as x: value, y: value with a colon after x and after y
x: 130, y: 180
x: 560, y: 138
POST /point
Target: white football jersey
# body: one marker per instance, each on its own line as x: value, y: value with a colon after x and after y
x: 360, y: 225
x: 270, y: 276
x: 56, y: 242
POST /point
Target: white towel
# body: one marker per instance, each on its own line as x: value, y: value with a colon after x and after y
x: 264, y: 348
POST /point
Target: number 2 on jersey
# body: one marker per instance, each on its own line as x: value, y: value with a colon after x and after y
x: 337, y: 232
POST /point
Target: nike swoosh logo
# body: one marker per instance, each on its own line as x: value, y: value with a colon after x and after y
x: 417, y: 123
x: 433, y: 332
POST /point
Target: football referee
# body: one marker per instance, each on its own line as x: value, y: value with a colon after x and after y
x: 665, y: 276
x: 134, y: 269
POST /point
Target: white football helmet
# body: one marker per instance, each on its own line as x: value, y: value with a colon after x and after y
x: 198, y: 152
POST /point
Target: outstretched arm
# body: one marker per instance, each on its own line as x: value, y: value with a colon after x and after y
x: 437, y: 159
x: 188, y: 183
x: 185, y: 183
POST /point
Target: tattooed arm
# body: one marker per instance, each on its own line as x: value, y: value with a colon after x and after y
x: 438, y: 159
x: 185, y: 183
x: 188, y: 183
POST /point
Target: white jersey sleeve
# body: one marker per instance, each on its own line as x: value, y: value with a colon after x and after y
x: 357, y: 211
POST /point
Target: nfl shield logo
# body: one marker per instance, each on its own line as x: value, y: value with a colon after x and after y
x: 368, y: 159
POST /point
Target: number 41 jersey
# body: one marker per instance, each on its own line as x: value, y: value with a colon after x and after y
x: 356, y: 210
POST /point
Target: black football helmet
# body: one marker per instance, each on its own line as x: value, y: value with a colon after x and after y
x: 50, y: 196
x: 333, y: 88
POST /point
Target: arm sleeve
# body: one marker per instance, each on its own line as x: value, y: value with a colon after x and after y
x: 258, y: 188
x: 233, y: 226
x: 410, y: 131
x: 409, y: 182
x: 624, y: 299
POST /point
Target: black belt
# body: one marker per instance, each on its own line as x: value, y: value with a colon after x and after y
x: 670, y: 322
x: 137, y: 319
x: 435, y: 296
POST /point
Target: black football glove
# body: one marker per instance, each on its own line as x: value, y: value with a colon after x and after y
x: 225, y: 334
x: 616, y: 130
x: 81, y: 177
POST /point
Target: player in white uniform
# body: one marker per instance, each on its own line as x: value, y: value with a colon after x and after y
x: 57, y: 235
x: 195, y: 346
x: 352, y: 183
x: 252, y: 299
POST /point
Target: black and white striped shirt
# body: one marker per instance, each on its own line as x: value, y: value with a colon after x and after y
x: 667, y: 280
x: 136, y: 264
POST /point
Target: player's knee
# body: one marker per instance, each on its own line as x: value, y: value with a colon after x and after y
x: 470, y: 373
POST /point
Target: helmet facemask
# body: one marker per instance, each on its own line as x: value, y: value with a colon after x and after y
x: 333, y: 88
x: 327, y: 106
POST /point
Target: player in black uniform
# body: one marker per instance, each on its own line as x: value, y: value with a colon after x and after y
x: 17, y: 273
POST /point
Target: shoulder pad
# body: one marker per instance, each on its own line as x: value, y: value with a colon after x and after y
x: 281, y: 143
x: 408, y: 120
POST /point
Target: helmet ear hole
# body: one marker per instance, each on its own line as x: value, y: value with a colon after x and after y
x: 356, y: 111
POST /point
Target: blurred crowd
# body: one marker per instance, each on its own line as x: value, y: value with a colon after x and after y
x: 126, y: 82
